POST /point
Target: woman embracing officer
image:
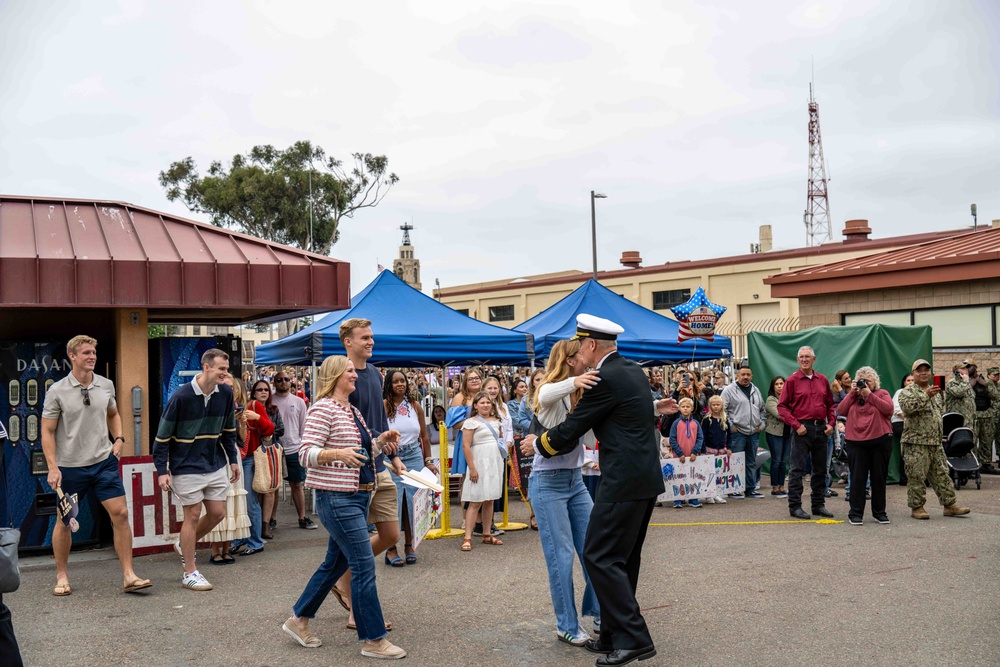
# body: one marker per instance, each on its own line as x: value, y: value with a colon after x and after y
x: 338, y: 452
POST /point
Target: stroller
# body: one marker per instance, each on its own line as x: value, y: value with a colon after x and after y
x: 959, y: 441
x: 839, y: 466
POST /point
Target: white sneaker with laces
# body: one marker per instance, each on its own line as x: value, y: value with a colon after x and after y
x: 196, y: 582
x: 721, y: 500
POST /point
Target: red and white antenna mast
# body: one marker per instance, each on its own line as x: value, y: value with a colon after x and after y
x: 819, y: 229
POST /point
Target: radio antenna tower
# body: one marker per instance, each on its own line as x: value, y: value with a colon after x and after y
x: 819, y: 230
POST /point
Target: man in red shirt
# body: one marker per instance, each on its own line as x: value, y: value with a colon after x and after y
x: 806, y: 405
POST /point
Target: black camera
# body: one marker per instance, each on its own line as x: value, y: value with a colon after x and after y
x: 862, y: 383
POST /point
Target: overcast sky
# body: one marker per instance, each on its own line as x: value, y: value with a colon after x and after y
x: 500, y: 118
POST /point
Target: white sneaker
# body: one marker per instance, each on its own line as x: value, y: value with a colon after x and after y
x: 196, y: 582
x: 720, y: 500
x: 177, y: 548
x: 383, y: 649
x: 708, y: 501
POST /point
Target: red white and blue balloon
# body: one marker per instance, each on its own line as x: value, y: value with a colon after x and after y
x: 697, y: 317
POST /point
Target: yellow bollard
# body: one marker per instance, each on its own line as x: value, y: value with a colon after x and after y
x: 509, y: 525
x: 445, y: 530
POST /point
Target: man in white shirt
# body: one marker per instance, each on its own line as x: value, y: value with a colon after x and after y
x: 293, y: 413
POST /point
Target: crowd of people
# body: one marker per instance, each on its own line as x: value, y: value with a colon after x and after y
x: 594, y: 424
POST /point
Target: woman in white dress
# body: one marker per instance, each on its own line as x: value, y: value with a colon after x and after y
x: 482, y: 439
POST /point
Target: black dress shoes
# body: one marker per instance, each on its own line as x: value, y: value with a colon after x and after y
x: 798, y: 513
x: 622, y: 656
x: 823, y: 512
x: 595, y: 646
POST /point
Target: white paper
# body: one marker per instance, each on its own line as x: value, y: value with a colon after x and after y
x: 425, y: 473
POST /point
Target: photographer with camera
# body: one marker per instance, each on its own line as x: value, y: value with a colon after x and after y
x: 868, y: 409
x: 984, y: 393
x: 959, y: 395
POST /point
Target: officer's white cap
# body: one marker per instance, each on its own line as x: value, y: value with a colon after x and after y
x: 591, y: 326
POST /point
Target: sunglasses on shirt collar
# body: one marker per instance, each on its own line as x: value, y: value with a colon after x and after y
x: 86, y: 396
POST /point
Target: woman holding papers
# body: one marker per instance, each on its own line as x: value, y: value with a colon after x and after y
x: 338, y: 453
x: 415, y: 452
x: 561, y: 502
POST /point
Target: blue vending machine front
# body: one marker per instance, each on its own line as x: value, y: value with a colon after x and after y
x: 27, y: 370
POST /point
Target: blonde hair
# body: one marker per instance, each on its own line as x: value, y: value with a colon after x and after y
x: 498, y: 401
x: 76, y: 341
x: 347, y: 327
x: 557, y: 369
x: 684, y: 400
x: 329, y: 372
x: 532, y: 385
x: 718, y: 399
x: 239, y: 392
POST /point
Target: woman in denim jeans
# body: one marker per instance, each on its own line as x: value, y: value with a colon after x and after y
x: 561, y: 502
x: 338, y: 453
x: 777, y: 433
x: 414, y: 450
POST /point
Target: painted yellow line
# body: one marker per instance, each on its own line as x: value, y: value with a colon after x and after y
x: 746, y: 523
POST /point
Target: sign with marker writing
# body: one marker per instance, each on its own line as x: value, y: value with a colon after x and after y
x: 705, y: 477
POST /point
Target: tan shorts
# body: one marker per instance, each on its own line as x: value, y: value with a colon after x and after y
x: 385, y: 506
x: 192, y: 489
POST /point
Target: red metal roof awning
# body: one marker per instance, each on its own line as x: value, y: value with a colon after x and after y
x: 77, y: 253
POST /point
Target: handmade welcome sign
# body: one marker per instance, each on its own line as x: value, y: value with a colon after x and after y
x: 705, y: 477
x: 697, y: 317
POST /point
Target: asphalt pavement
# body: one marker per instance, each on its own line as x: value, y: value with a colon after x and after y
x: 726, y: 587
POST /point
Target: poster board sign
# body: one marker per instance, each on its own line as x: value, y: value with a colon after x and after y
x: 706, y: 477
x: 154, y: 517
x: 520, y: 467
x: 424, y: 514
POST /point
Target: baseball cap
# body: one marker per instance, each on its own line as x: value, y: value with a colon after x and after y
x: 920, y: 362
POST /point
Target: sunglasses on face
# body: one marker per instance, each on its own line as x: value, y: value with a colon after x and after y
x: 281, y: 379
x: 259, y: 389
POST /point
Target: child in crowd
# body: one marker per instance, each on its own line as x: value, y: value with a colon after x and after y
x: 716, y: 432
x: 686, y: 440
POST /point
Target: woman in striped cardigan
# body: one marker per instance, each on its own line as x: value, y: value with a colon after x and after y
x: 338, y: 453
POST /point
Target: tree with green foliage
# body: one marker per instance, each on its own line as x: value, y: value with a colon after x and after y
x: 265, y: 193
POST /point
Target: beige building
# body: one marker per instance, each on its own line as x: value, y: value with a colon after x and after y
x: 735, y: 282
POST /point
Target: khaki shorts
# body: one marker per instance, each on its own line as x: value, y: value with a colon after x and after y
x: 192, y: 489
x: 384, y: 506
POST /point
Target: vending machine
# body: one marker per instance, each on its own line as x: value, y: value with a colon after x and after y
x: 27, y: 370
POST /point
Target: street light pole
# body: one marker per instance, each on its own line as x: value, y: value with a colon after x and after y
x: 593, y: 226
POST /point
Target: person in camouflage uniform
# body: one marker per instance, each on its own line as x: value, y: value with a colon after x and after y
x: 923, y: 453
x: 959, y: 397
x: 993, y: 386
x: 986, y: 402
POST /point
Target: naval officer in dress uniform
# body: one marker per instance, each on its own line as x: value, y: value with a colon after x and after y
x: 618, y: 409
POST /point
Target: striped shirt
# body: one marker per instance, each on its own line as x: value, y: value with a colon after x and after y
x: 329, y: 425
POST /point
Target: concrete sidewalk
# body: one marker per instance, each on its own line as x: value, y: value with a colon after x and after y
x: 910, y: 593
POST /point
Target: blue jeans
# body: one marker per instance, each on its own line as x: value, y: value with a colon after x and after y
x: 748, y: 445
x: 780, y: 449
x: 562, y: 508
x: 413, y: 459
x: 345, y: 517
x: 253, y: 509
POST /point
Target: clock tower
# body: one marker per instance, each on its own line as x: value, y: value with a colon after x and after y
x: 406, y: 267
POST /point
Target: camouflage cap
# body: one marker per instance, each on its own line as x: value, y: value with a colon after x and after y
x: 993, y: 370
x: 920, y: 362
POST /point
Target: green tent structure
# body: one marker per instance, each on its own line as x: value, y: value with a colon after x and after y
x: 890, y: 350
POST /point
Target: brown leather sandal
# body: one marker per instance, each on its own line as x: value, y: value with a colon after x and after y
x: 466, y: 544
x: 489, y: 539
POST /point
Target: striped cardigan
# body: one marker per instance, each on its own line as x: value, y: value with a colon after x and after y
x: 329, y: 425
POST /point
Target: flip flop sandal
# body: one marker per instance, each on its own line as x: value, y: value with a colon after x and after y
x: 62, y: 590
x: 137, y: 585
x: 341, y: 597
x: 227, y: 559
x: 354, y: 626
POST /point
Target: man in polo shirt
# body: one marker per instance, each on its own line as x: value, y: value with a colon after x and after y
x: 806, y: 405
x: 195, y: 441
x: 82, y: 440
x: 293, y: 413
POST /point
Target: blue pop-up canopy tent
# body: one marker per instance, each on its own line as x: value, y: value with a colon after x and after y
x: 649, y: 339
x: 411, y: 329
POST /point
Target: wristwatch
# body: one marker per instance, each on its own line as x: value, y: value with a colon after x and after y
x: 117, y: 439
